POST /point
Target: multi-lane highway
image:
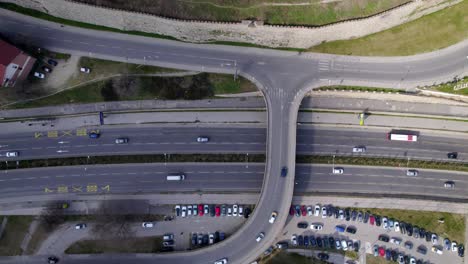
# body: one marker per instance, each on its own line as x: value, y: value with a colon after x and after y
x: 283, y: 77
x: 312, y: 139
x: 228, y: 178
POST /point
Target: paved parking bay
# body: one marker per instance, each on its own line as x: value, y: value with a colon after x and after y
x: 368, y: 236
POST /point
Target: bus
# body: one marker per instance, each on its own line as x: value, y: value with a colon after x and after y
x: 402, y: 137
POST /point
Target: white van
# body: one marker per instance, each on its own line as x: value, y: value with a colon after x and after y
x: 175, y: 177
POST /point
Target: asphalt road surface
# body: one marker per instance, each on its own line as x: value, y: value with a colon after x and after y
x: 227, y: 178
x: 310, y: 140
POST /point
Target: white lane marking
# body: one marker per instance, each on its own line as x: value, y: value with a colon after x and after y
x: 86, y: 43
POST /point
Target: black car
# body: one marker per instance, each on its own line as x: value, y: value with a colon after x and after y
x: 216, y: 235
x: 167, y: 249
x: 330, y: 210
x: 403, y: 228
x: 319, y: 242
x: 461, y: 250
x: 409, y: 229
x: 282, y: 245
x: 384, y: 238
x: 52, y: 62
x: 337, y: 212
x: 323, y: 256
x: 422, y: 250
x: 205, y: 239
x: 428, y: 237
x: 407, y: 259
x: 212, y: 210
x: 422, y: 233
x: 331, y: 241
x: 419, y: 261
x: 298, y: 210
x: 247, y: 212
x: 452, y: 155
x: 302, y: 225
x: 284, y: 171
x: 222, y: 236
x: 306, y: 241
x: 300, y: 240
x: 366, y: 217
x: 378, y: 220
x: 394, y: 255
x: 353, y: 215
x: 388, y: 254
x: 347, y: 214
x: 194, y: 239
x: 312, y: 241
x: 356, y: 246
x: 415, y: 232
x: 200, y: 239
x: 359, y: 216
x: 52, y: 260
x: 326, y: 242
x: 351, y: 230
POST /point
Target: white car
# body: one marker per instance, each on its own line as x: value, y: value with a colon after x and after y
x: 39, y: 75
x: 434, y: 239
x: 80, y: 226
x: 449, y: 184
x: 454, y: 246
x: 273, y: 217
x: 194, y: 210
x: 324, y: 212
x: 359, y: 149
x: 241, y: 210
x: 437, y: 250
x: 184, y: 210
x: 385, y: 222
x: 338, y: 171
x: 147, y: 224
x: 229, y: 211
x: 395, y: 241
x: 344, y: 245
x: 202, y: 139
x: 221, y: 261
x: 234, y: 209
x: 317, y: 210
x: 189, y: 210
x: 206, y: 209
x: 341, y: 214
x: 211, y: 239
x: 121, y: 140
x: 85, y: 70
x: 260, y: 236
x: 309, y: 211
x: 316, y: 226
x: 294, y: 240
x: 177, y: 210
x: 11, y: 154
x: 396, y: 225
x: 412, y: 260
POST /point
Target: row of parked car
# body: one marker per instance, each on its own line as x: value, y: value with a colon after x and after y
x: 396, y: 256
x: 212, y: 210
x: 200, y: 239
x: 325, y: 242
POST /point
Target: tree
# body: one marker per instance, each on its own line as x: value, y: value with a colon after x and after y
x: 111, y: 222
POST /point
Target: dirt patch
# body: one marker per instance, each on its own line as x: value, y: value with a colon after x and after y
x: 65, y: 70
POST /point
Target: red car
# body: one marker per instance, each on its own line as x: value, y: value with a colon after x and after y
x: 200, y: 209
x: 217, y: 211
x: 381, y: 251
x: 292, y: 210
x: 371, y: 220
x: 303, y: 210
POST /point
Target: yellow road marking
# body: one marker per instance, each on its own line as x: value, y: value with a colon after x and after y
x: 37, y: 135
x: 92, y: 188
x: 52, y: 134
x: 106, y: 188
x: 62, y: 189
x: 47, y: 190
x: 67, y: 133
x: 81, y: 132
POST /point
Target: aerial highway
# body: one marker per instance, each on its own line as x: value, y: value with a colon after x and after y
x: 283, y: 77
x: 242, y: 139
x: 228, y: 178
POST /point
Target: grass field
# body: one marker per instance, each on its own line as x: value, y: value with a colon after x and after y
x: 287, y: 12
x: 14, y: 233
x: 431, y: 32
x: 131, y: 245
x: 453, y: 226
x: 377, y: 260
x: 449, y: 87
x: 291, y: 258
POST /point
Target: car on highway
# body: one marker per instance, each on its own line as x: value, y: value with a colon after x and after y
x: 384, y: 238
x: 52, y: 260
x: 294, y: 240
x: 11, y: 154
x: 260, y: 236
x: 411, y: 173
x: 273, y: 216
x: 147, y: 224
x: 359, y: 149
x: 449, y: 184
x: 203, y: 139
x: 121, y: 140
x: 284, y: 171
x: 316, y: 226
x: 221, y: 261
x: 39, y: 75
x: 317, y: 210
x: 94, y: 134
x: 338, y: 171
x: 85, y: 70
x: 80, y: 226
x: 452, y: 155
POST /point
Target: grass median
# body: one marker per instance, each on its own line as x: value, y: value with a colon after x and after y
x: 15, y: 230
x: 428, y: 33
x: 127, y: 245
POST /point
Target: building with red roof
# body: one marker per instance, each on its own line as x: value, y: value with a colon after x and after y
x: 15, y: 65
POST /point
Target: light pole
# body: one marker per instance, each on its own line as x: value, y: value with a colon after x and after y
x: 247, y: 160
x: 333, y: 163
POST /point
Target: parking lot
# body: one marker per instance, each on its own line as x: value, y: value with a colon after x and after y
x: 368, y: 236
